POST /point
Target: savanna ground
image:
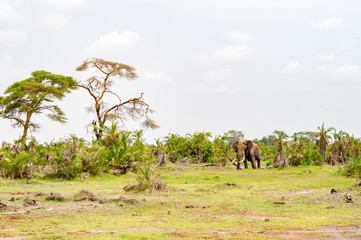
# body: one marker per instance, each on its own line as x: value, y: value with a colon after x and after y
x: 200, y: 203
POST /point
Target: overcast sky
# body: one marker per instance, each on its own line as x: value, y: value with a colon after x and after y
x: 249, y: 65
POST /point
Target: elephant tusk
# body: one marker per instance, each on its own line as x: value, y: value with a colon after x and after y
x: 234, y: 160
x: 244, y: 157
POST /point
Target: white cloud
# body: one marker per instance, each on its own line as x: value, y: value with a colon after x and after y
x: 13, y: 36
x: 230, y: 53
x: 157, y: 77
x: 329, y: 23
x: 292, y: 67
x: 218, y: 76
x: 326, y: 57
x: 238, y: 36
x: 113, y: 45
x: 67, y: 4
x: 347, y: 44
x: 215, y: 82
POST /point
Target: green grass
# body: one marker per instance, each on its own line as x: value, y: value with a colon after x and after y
x: 197, y: 205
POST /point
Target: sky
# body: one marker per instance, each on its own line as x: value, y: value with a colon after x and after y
x: 247, y: 65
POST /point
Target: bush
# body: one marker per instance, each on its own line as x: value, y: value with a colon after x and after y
x: 352, y: 167
x: 15, y: 165
x: 148, y: 180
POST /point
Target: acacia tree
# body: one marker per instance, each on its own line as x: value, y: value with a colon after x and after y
x: 99, y: 87
x: 35, y: 95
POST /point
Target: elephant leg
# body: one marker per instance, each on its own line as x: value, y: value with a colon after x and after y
x: 238, y: 165
x: 259, y: 163
x: 252, y: 158
x: 253, y: 164
x: 245, y: 163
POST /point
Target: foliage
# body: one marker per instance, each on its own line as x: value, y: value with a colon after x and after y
x: 323, y: 140
x: 270, y: 140
x: 98, y: 88
x: 149, y: 179
x: 16, y: 165
x: 232, y: 136
x: 352, y: 167
x: 35, y: 95
x: 197, y: 147
x: 123, y: 148
x: 280, y: 158
x: 64, y: 158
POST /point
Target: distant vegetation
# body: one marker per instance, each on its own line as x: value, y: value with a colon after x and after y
x: 116, y: 151
x: 120, y: 151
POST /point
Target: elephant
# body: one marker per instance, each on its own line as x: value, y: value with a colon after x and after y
x: 247, y: 150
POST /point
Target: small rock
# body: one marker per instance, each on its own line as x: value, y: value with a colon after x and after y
x: 3, y: 206
x: 29, y: 201
x: 134, y: 214
x: 333, y: 191
x: 348, y: 198
x: 120, y: 204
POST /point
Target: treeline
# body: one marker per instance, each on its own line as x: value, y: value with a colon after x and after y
x: 120, y: 151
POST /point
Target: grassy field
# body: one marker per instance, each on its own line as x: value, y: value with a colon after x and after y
x: 201, y: 203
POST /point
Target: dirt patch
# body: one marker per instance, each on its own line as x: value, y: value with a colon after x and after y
x: 329, y: 233
x: 180, y: 235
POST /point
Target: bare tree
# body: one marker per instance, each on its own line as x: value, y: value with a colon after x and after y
x: 99, y: 87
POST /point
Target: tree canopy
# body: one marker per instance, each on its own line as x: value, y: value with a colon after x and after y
x: 35, y: 95
x: 100, y: 86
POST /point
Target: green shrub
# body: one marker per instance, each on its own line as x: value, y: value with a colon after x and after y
x: 352, y: 167
x: 15, y: 165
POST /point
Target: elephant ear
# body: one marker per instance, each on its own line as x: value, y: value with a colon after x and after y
x: 235, y: 145
x: 249, y: 144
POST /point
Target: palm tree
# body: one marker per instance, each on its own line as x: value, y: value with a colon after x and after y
x: 137, y: 136
x: 280, y: 158
x: 339, y: 149
x: 323, y: 140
